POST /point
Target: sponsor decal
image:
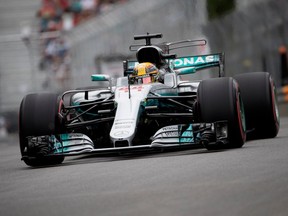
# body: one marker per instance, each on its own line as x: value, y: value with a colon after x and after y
x: 194, y: 60
x: 121, y: 123
x: 169, y: 128
x: 123, y: 126
x: 169, y: 131
x: 171, y: 134
x: 132, y: 88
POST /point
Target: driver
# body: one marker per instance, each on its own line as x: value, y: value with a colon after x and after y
x: 145, y: 73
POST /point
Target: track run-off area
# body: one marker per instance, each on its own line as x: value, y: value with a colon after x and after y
x: 252, y: 180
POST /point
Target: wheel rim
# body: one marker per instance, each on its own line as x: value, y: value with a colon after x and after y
x: 276, y: 115
x: 241, y: 116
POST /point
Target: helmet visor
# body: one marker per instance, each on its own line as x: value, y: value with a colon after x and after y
x: 146, y: 80
x: 142, y: 80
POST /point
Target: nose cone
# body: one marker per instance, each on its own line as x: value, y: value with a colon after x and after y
x: 123, y: 130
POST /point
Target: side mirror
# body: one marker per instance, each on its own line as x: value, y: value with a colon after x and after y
x: 102, y: 77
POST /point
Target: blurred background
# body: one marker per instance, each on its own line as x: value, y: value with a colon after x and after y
x: 55, y: 45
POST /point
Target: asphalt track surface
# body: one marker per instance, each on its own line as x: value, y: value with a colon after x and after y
x: 252, y: 180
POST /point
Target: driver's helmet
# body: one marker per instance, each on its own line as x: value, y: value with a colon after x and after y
x: 144, y: 73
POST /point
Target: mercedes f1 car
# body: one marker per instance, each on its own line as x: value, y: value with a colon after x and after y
x: 216, y: 113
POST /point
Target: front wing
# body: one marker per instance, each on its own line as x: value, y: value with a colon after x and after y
x: 175, y: 136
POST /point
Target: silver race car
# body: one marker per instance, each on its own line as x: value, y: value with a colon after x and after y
x: 150, y: 107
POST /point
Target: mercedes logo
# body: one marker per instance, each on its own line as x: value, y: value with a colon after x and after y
x: 121, y: 133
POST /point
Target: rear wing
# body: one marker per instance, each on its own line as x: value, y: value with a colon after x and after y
x: 166, y: 46
x: 182, y: 65
x: 200, y: 62
x: 192, y: 63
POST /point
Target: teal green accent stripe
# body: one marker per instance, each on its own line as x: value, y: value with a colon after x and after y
x: 97, y: 77
x: 187, y: 135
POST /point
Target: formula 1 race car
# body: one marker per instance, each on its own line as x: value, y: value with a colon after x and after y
x: 143, y: 112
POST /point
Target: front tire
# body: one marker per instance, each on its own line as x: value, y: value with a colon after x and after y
x: 219, y: 99
x: 38, y: 117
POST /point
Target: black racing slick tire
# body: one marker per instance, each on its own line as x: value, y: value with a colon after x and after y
x: 260, y: 101
x: 38, y: 117
x: 219, y: 99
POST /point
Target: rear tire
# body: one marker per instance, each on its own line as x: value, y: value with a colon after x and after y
x: 38, y: 117
x: 259, y: 97
x: 219, y: 99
